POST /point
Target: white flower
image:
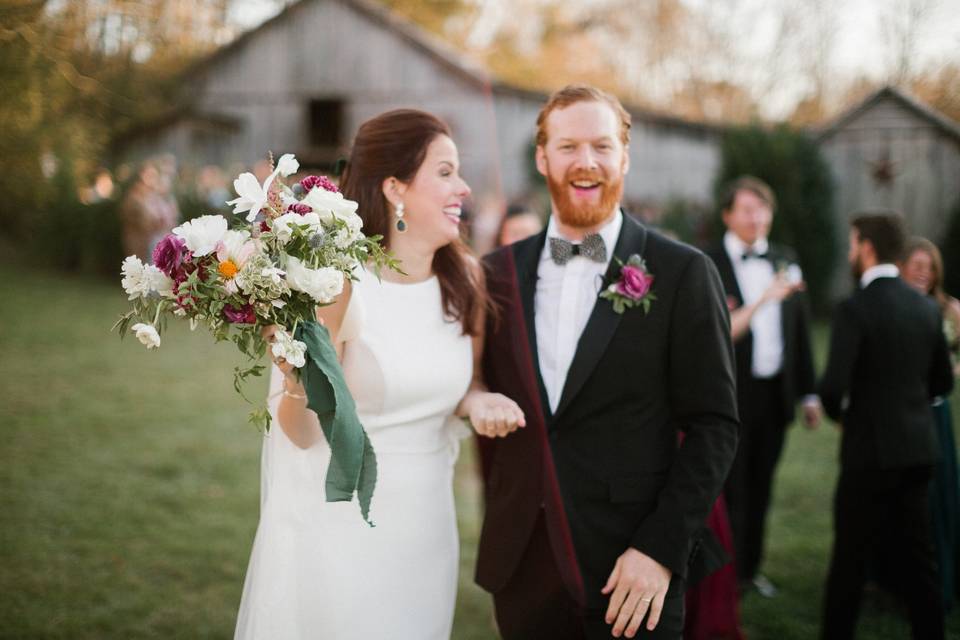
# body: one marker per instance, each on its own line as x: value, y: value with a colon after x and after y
x: 281, y: 226
x: 146, y: 334
x: 293, y: 351
x: 139, y: 280
x: 328, y: 204
x: 287, y: 165
x: 253, y: 197
x: 202, y: 234
x: 159, y: 281
x: 134, y: 282
x: 323, y: 285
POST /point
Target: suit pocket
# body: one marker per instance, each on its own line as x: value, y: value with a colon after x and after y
x: 635, y: 488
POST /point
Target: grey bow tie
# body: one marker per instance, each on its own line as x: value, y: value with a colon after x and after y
x: 592, y: 248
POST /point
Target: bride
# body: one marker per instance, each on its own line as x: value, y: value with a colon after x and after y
x: 409, y: 345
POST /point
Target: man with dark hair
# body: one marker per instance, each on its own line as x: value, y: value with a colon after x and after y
x: 771, y: 336
x: 614, y: 340
x: 888, y: 360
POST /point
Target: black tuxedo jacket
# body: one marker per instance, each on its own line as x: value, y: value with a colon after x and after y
x: 888, y: 359
x: 797, y: 376
x: 606, y: 469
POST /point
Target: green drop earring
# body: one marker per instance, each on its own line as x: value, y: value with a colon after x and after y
x: 401, y: 223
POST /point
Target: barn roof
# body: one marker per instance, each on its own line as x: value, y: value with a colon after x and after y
x: 442, y: 53
x: 939, y: 120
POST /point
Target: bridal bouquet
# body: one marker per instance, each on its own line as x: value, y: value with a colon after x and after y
x: 290, y: 253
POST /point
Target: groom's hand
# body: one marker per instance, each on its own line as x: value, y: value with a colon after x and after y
x: 638, y: 583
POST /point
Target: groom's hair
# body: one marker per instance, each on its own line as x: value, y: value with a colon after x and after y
x: 573, y: 93
x: 885, y: 230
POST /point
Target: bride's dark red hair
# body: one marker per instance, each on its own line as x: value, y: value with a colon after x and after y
x: 394, y: 144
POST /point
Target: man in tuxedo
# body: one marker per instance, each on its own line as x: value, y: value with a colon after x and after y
x: 888, y: 360
x: 771, y: 334
x: 594, y: 511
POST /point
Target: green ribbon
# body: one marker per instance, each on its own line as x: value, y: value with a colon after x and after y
x: 353, y: 464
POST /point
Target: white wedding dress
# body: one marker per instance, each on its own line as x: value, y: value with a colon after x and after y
x: 317, y: 570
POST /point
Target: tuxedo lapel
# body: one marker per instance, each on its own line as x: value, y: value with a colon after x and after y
x: 603, y: 319
x: 727, y: 275
x: 527, y: 259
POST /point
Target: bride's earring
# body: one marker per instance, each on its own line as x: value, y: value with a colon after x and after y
x: 401, y: 223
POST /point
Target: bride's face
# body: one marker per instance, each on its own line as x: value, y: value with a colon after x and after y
x: 433, y: 200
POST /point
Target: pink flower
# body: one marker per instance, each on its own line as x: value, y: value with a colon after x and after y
x: 300, y: 208
x: 170, y: 254
x: 323, y: 182
x: 243, y: 315
x: 634, y: 282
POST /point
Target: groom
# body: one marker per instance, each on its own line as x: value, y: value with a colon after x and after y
x: 595, y: 511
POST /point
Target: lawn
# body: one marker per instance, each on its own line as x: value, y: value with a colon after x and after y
x: 129, y: 485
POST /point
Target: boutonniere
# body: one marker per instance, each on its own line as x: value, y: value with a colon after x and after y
x: 632, y: 288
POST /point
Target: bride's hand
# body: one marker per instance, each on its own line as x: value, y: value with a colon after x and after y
x: 288, y: 369
x: 494, y: 414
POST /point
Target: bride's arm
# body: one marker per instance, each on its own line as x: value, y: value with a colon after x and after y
x: 490, y: 414
x: 297, y: 421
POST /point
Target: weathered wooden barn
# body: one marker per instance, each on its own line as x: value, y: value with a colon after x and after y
x: 893, y: 152
x: 303, y: 81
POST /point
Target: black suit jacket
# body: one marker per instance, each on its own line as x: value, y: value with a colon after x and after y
x: 888, y: 359
x: 797, y: 376
x: 606, y: 468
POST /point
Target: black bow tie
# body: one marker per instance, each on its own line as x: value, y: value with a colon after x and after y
x: 592, y: 248
x: 750, y: 253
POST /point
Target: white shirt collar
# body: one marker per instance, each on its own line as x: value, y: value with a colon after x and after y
x: 736, y: 247
x: 885, y: 270
x: 610, y: 232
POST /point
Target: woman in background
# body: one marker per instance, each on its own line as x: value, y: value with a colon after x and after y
x: 922, y: 268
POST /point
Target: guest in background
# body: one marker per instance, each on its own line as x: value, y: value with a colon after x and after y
x: 888, y: 360
x: 149, y: 210
x: 519, y: 223
x: 922, y: 268
x: 770, y: 328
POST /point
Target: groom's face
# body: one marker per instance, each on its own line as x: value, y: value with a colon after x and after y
x: 584, y: 162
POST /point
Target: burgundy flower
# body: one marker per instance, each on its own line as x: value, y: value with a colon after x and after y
x: 323, y: 182
x: 634, y: 282
x: 264, y: 227
x: 299, y: 207
x: 243, y: 315
x: 170, y: 254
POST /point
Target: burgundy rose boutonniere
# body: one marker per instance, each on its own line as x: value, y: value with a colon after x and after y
x: 632, y: 288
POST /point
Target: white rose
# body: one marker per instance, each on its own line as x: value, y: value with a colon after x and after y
x: 287, y: 165
x: 323, y: 285
x: 158, y: 280
x: 327, y: 204
x: 202, y: 234
x: 146, y: 334
x: 281, y: 226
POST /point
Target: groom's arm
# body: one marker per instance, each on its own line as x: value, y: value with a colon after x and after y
x: 702, y: 390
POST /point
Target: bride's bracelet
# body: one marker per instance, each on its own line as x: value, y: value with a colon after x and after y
x: 295, y: 396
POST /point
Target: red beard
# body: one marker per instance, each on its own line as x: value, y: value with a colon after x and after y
x: 584, y: 215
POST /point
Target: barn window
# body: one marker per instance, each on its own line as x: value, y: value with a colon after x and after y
x: 326, y: 123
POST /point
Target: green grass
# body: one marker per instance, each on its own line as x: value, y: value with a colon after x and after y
x: 129, y: 485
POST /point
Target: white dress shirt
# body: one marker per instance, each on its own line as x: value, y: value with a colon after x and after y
x: 885, y: 270
x: 754, y: 276
x: 564, y: 299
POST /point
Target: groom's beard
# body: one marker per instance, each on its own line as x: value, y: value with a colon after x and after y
x: 584, y: 215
